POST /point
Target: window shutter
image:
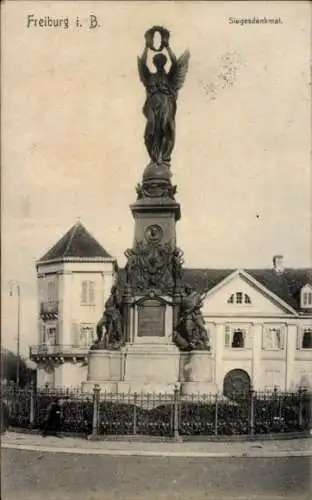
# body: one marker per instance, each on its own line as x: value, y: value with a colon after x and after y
x: 56, y: 333
x: 42, y: 332
x: 248, y: 334
x: 50, y: 291
x: 84, y: 292
x: 267, y: 338
x: 227, y: 336
x: 82, y: 336
x: 299, y: 338
x: 91, y: 292
x: 282, y: 337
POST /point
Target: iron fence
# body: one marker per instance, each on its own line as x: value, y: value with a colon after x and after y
x: 103, y: 413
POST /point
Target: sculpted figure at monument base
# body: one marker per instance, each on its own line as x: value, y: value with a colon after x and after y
x: 109, y: 329
x: 190, y: 333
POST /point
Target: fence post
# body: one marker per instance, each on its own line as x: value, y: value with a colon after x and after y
x: 32, y: 405
x: 176, y: 404
x: 252, y: 412
x: 216, y: 414
x: 301, y: 393
x: 135, y: 397
x: 96, y: 407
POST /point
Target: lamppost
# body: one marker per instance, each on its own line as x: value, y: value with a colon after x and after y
x: 14, y: 285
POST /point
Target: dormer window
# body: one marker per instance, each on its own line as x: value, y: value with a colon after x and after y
x: 306, y: 297
x: 239, y: 298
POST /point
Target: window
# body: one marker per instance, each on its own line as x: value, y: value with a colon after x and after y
x: 50, y: 335
x: 307, y: 339
x: 307, y: 299
x: 237, y: 337
x: 227, y: 336
x: 273, y: 338
x: 306, y: 296
x: 86, y: 335
x: 51, y: 331
x: 247, y: 299
x: 239, y: 298
x: 87, y: 292
x: 238, y: 340
x: 51, y: 291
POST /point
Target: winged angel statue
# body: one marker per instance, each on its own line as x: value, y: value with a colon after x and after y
x: 162, y: 91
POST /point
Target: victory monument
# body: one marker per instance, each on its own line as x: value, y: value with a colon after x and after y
x: 152, y: 335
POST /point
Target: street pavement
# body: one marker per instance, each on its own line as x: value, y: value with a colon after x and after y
x: 34, y: 475
x: 269, y: 448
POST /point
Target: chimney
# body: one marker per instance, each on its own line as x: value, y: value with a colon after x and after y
x: 278, y: 263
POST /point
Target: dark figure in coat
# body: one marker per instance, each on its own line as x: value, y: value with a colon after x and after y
x: 52, y: 422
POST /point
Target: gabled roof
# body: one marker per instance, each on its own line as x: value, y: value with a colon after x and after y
x: 78, y: 244
x: 286, y: 285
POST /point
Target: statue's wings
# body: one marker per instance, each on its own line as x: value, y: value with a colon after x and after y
x: 179, y: 70
x: 144, y: 72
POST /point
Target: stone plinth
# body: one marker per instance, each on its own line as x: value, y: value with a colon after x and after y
x: 151, y: 368
x: 105, y: 368
x: 197, y: 373
x: 140, y: 367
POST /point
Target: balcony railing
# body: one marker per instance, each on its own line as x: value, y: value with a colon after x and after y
x: 58, y: 350
x: 49, y: 309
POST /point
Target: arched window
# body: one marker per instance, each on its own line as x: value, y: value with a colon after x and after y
x: 307, y: 339
x: 238, y: 339
x: 247, y: 299
x: 239, y: 298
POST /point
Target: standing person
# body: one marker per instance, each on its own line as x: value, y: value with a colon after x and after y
x: 52, y: 422
x: 4, y: 417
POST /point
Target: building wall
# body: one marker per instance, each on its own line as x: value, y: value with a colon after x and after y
x: 70, y: 374
x: 77, y: 318
x: 287, y: 367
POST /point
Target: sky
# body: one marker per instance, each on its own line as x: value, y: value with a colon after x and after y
x: 72, y: 135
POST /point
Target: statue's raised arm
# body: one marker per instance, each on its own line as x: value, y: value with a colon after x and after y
x: 144, y: 72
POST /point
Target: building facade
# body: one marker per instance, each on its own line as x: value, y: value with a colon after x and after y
x: 259, y: 320
x: 74, y: 278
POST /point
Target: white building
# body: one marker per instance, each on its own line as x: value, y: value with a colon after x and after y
x: 74, y: 279
x: 259, y: 320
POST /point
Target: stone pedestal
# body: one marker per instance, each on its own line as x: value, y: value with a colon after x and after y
x: 147, y: 368
x: 197, y: 373
x: 105, y: 368
x: 151, y: 368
